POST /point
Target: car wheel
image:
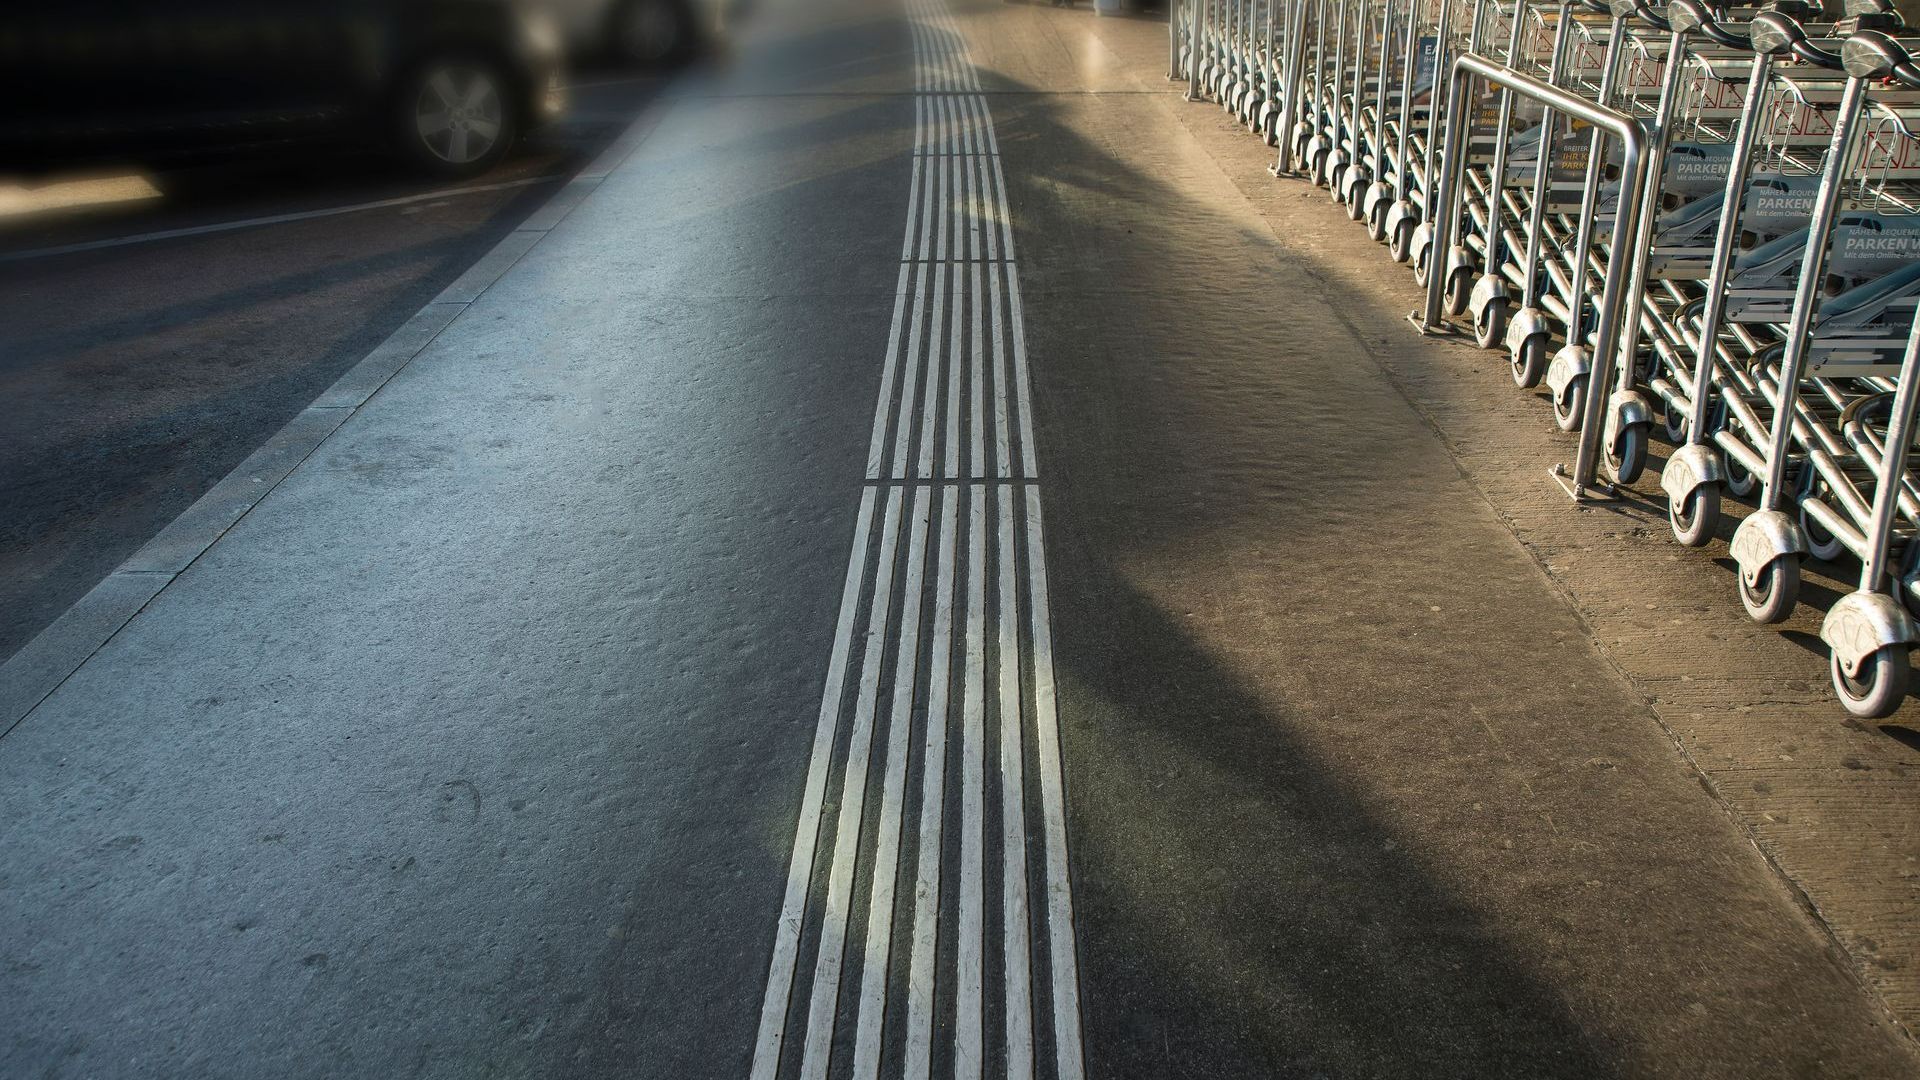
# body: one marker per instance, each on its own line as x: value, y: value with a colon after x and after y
x: 651, y: 32
x: 453, y: 116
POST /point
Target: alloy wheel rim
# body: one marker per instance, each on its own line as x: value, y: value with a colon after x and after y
x: 458, y: 114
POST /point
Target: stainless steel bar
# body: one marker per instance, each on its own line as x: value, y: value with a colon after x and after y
x: 1893, y: 467
x: 1633, y: 141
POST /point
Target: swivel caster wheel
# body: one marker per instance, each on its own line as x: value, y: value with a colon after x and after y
x: 1909, y: 570
x: 1530, y: 366
x: 1740, y: 482
x: 1676, y: 423
x: 1822, y: 544
x: 1570, y: 405
x: 1459, y: 291
x: 1696, y: 518
x: 1627, y: 458
x: 1356, y: 197
x: 1401, y: 249
x: 1490, y: 326
x: 1877, y: 691
x: 1771, y: 599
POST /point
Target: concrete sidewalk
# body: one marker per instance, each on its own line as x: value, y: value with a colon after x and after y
x: 1289, y: 310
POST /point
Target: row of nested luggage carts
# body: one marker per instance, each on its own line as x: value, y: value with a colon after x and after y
x: 1699, y: 217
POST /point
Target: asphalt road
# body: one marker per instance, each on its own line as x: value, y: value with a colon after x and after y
x: 140, y: 369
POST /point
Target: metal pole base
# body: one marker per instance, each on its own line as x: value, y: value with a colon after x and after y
x: 1444, y: 329
x: 1597, y: 492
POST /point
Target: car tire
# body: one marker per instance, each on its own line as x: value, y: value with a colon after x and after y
x: 651, y: 33
x: 453, y: 115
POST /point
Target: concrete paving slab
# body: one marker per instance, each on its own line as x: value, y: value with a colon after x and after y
x: 1732, y: 694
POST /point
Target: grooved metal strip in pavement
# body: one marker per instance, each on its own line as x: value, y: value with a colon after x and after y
x: 927, y: 926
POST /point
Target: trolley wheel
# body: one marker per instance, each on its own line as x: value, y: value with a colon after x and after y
x: 1696, y: 518
x: 1881, y: 685
x: 1676, y: 423
x: 1459, y: 291
x: 1317, y: 168
x: 1337, y: 182
x: 1771, y: 600
x: 1824, y: 545
x: 1356, y: 198
x: 1376, y: 219
x: 1531, y: 365
x: 1570, y: 405
x: 1740, y: 482
x: 1631, y: 461
x: 1401, y: 250
x: 1490, y: 326
x: 1908, y: 558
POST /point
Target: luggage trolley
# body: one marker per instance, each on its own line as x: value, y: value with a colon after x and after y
x: 1452, y: 29
x: 1582, y: 482
x: 1390, y: 201
x: 1369, y: 182
x: 1536, y: 45
x: 1813, y: 112
x: 1705, y: 134
x: 1351, y: 165
x: 1653, y: 85
x: 1522, y: 287
x: 1706, y: 382
x: 1868, y: 632
x: 1316, y: 132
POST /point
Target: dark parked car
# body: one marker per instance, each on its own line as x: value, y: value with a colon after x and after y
x: 445, y: 84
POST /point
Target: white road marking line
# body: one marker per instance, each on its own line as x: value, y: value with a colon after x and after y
x: 1006, y: 216
x: 976, y: 209
x: 853, y: 794
x: 1013, y: 817
x: 970, y: 978
x: 1068, y: 1063
x: 927, y: 215
x: 903, y: 427
x: 946, y: 209
x: 936, y: 349
x: 786, y: 942
x: 1002, y: 448
x: 272, y: 219
x: 926, y: 891
x: 913, y: 209
x: 1023, y: 395
x: 953, y: 354
x: 954, y: 395
x: 886, y: 859
x: 979, y: 378
x: 876, y: 447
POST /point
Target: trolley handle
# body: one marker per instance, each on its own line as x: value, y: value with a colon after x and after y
x: 1870, y: 54
x: 1647, y: 12
x: 1776, y: 32
x: 1685, y: 16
